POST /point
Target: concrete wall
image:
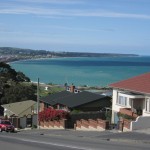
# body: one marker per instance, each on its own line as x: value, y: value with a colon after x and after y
x: 60, y: 124
x: 91, y: 125
x: 142, y: 122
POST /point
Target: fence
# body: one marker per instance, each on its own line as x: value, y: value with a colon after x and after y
x: 90, y: 124
x: 84, y: 115
x: 31, y: 120
x: 73, y: 119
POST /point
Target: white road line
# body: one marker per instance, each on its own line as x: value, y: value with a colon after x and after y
x: 48, y: 143
x: 56, y: 144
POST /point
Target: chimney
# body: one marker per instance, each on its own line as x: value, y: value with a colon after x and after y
x: 72, y: 87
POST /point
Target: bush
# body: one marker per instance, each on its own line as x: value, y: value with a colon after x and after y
x: 52, y: 114
x: 125, y: 116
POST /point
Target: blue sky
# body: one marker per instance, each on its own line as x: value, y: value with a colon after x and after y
x: 104, y: 26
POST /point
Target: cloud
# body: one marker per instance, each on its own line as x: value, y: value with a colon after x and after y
x: 79, y: 29
x: 52, y: 1
x: 63, y: 12
x: 111, y: 14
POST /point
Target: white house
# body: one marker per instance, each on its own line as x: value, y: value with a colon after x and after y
x: 132, y: 97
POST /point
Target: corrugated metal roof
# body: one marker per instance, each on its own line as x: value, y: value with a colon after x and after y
x: 140, y: 84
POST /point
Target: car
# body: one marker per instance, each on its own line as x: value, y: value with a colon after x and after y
x: 6, y: 125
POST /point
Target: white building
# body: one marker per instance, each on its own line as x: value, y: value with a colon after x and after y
x: 132, y: 97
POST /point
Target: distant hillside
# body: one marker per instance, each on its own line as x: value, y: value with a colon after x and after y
x: 8, y: 54
x: 85, y: 54
x: 21, y: 51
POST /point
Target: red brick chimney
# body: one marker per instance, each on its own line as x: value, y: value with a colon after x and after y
x: 72, y: 87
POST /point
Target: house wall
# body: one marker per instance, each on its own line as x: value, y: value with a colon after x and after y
x: 144, y: 109
x: 142, y: 122
x: 116, y: 107
x: 136, y: 103
x: 23, y: 122
x: 145, y: 113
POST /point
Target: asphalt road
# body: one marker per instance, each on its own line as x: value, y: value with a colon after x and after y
x: 35, y: 140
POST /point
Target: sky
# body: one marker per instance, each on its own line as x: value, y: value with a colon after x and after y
x: 103, y: 26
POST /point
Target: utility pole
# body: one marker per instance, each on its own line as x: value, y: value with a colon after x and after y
x: 38, y: 99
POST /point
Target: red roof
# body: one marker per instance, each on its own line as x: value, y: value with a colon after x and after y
x: 140, y: 84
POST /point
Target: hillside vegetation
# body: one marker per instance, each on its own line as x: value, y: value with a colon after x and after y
x: 13, y: 87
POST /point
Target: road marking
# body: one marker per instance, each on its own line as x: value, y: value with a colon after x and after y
x: 56, y: 144
x: 48, y: 143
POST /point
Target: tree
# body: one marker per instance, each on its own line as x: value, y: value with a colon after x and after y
x: 7, y: 73
x: 12, y: 88
x: 21, y: 77
x: 18, y: 92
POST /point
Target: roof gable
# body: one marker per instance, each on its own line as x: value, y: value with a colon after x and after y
x: 19, y: 107
x: 140, y: 84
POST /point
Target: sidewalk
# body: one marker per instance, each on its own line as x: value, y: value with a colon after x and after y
x: 145, y: 131
x: 142, y: 136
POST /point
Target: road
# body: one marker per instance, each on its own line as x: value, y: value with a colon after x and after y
x: 40, y: 141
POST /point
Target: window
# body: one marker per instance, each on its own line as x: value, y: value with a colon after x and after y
x: 147, y: 105
x: 122, y: 100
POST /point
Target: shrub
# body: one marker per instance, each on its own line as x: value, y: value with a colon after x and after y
x: 125, y: 116
x: 52, y: 114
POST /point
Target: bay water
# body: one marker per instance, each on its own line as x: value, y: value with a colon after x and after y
x: 81, y: 71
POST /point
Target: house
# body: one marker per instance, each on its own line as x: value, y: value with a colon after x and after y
x: 131, y: 97
x: 72, y: 89
x: 73, y: 100
x: 20, y: 109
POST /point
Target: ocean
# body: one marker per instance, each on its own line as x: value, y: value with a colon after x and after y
x: 83, y: 71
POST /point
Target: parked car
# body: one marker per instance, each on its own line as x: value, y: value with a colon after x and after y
x: 6, y: 125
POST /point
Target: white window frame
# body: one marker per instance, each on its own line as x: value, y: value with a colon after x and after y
x: 147, y: 105
x: 122, y: 100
